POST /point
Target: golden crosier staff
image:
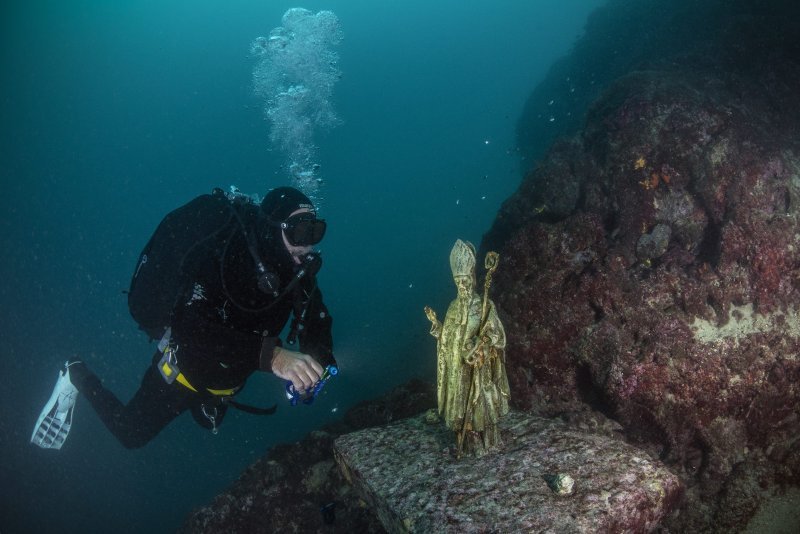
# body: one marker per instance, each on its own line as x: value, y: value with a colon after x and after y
x: 490, y: 263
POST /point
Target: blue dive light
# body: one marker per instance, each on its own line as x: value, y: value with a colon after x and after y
x: 308, y: 397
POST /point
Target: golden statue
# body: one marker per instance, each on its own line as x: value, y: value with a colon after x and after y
x: 471, y: 380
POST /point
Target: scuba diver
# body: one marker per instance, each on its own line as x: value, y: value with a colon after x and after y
x: 217, y: 283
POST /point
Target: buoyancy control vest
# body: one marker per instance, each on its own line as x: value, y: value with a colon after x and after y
x: 160, y: 278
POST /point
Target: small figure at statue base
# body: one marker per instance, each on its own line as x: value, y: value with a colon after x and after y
x: 471, y: 381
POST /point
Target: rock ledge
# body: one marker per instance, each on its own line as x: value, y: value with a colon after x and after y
x: 408, y: 475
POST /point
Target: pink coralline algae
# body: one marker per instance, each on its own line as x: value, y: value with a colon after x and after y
x: 663, y: 287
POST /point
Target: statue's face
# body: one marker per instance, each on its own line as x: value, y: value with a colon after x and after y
x: 464, y: 285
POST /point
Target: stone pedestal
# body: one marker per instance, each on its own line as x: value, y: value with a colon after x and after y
x: 408, y: 474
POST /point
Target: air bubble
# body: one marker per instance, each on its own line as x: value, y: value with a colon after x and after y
x: 296, y: 72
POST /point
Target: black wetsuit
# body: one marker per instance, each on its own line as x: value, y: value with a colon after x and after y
x: 224, y: 329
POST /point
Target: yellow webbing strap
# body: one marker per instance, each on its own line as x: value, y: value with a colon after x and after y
x: 218, y: 392
x: 182, y: 380
x: 222, y: 392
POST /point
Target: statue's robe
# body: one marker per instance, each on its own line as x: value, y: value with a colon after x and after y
x: 477, y: 392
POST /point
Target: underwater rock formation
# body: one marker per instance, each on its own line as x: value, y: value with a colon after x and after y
x: 622, y: 36
x: 297, y: 488
x: 652, y: 270
x: 548, y: 476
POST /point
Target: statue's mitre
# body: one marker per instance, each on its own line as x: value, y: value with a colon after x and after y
x: 462, y: 258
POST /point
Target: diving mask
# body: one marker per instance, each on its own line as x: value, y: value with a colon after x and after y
x: 304, y: 229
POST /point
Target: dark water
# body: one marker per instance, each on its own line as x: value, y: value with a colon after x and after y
x: 114, y: 113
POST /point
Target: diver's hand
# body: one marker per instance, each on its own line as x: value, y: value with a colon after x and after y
x: 301, y: 369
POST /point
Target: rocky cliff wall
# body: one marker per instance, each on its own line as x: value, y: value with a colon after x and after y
x: 651, y: 269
